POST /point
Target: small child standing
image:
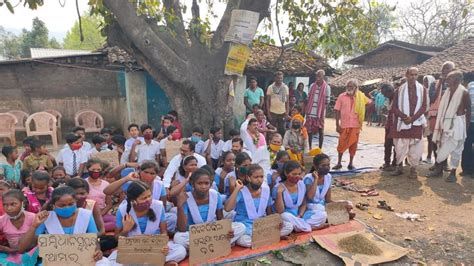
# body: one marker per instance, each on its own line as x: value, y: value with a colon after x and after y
x: 38, y: 159
x: 11, y: 170
x: 26, y: 145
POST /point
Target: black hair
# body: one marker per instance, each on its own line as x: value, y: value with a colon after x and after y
x: 252, y: 120
x: 98, y: 139
x: 135, y: 189
x: 7, y: 150
x: 133, y: 125
x: 288, y: 167
x: 253, y: 168
x: 278, y: 157
x: 107, y: 243
x: 184, y: 162
x: 28, y: 140
x: 58, y: 183
x: 234, y: 132
x: 78, y: 182
x: 241, y: 158
x: 273, y: 135
x: 192, y: 145
x: 40, y: 175
x: 171, y: 129
x: 386, y: 87
x: 106, y: 130
x: 209, y: 169
x: 255, y: 105
x: 317, y: 160
x: 198, y: 130
x: 93, y: 161
x: 214, y: 130
x: 75, y: 129
x: 36, y: 144
x: 197, y: 174
x: 173, y: 113
x: 71, y: 138
x: 58, y: 168
x: 168, y: 117
x: 298, y: 108
x: 239, y: 140
x: 58, y: 193
x: 145, y: 127
x: 5, y: 184
x: 119, y: 139
x: 301, y: 83
x: 17, y: 194
x: 252, y: 78
x: 149, y: 164
x: 223, y: 156
x: 23, y: 175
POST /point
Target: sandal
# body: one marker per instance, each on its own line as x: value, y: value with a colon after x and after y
x: 383, y: 205
x: 337, y: 167
x: 350, y: 167
x: 451, y: 178
x: 362, y: 206
x: 351, y: 188
x: 372, y: 193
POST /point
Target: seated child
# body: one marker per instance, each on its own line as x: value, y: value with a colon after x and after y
x: 14, y: 224
x: 10, y: 170
x: 188, y: 166
x: 318, y: 187
x: 142, y: 215
x: 214, y: 146
x: 27, y: 146
x: 39, y: 158
x: 273, y: 177
x: 201, y: 205
x: 290, y: 200
x: 251, y: 202
x: 59, y: 173
x: 39, y: 193
x: 227, y: 166
x: 25, y: 180
x: 242, y: 161
x: 73, y: 156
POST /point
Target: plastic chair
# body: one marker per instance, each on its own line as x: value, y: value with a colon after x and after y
x: 90, y: 120
x: 21, y: 117
x: 7, y: 127
x: 59, y: 117
x: 44, y: 124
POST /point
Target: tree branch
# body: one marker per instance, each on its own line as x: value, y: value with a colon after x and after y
x: 176, y: 22
x: 147, y: 42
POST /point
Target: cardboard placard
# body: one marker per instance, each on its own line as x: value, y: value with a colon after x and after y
x: 59, y: 250
x: 111, y: 157
x: 337, y: 213
x: 144, y: 249
x: 172, y: 148
x: 266, y: 230
x: 390, y: 251
x: 209, y: 241
x: 237, y: 59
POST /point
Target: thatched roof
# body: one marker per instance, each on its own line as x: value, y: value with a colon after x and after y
x: 263, y: 57
x: 462, y: 54
x: 367, y: 74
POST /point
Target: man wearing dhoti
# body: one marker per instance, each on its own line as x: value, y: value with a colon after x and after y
x: 409, y: 107
x: 454, y: 115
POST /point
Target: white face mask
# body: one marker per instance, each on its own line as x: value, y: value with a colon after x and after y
x: 19, y: 213
x: 104, y: 147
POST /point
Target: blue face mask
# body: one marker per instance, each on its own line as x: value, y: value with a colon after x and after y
x: 195, y: 139
x: 65, y: 212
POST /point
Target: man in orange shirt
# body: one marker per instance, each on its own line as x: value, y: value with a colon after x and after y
x: 350, y: 112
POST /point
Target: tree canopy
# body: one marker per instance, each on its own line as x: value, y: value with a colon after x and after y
x: 92, y: 37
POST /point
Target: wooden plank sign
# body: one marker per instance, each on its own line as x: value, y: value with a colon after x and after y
x: 337, y: 213
x: 110, y: 157
x: 209, y: 241
x: 144, y: 249
x: 58, y: 250
x: 172, y: 148
x: 266, y: 230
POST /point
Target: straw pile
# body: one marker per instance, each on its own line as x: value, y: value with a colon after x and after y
x: 359, y: 244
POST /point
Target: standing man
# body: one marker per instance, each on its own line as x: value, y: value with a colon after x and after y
x: 454, y: 117
x: 278, y: 102
x: 467, y: 164
x: 409, y: 107
x: 350, y: 113
x: 253, y: 95
x: 388, y: 91
x: 318, y: 98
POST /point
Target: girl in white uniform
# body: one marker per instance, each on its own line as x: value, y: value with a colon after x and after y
x: 201, y: 205
x: 290, y: 200
x: 251, y: 202
x: 318, y: 187
x: 273, y: 177
x: 142, y: 215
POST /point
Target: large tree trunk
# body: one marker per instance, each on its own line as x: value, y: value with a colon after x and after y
x: 191, y: 74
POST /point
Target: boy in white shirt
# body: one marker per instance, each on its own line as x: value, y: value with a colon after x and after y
x: 100, y: 144
x: 146, y: 150
x: 72, y: 157
x: 214, y: 146
x: 134, y: 131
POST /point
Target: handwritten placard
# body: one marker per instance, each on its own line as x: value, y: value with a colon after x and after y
x: 337, y: 213
x: 209, y: 241
x: 172, y: 148
x: 110, y: 157
x: 145, y: 249
x: 59, y: 250
x: 266, y: 230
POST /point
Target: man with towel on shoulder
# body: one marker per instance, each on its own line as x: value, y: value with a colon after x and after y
x: 454, y: 115
x: 409, y: 107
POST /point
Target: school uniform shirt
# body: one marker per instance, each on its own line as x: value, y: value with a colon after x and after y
x: 86, y: 146
x: 147, y: 152
x: 199, y: 147
x: 68, y: 157
x: 228, y: 146
x: 173, y: 167
x: 203, y: 211
x: 129, y: 142
x: 216, y: 149
x: 294, y: 199
x: 142, y: 221
x: 11, y: 173
x: 91, y: 228
x: 241, y: 214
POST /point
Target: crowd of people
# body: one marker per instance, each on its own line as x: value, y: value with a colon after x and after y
x: 258, y: 171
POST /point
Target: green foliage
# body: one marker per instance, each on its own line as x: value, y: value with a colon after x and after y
x: 10, y: 44
x: 90, y: 30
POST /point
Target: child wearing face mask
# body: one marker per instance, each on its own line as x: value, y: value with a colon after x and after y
x: 63, y: 218
x: 59, y: 173
x: 201, y: 205
x: 99, y: 144
x: 318, y: 187
x: 40, y: 192
x: 14, y: 224
x: 242, y: 161
x: 295, y: 140
x: 145, y: 150
x: 142, y: 215
x: 274, y: 176
x: 73, y: 157
x: 81, y: 188
x: 290, y: 200
x: 251, y: 202
x: 181, y: 181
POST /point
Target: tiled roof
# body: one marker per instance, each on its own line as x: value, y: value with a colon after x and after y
x: 263, y: 58
x: 462, y: 54
x: 364, y: 74
x: 49, y: 52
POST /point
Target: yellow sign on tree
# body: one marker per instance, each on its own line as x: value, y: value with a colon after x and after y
x: 237, y: 59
